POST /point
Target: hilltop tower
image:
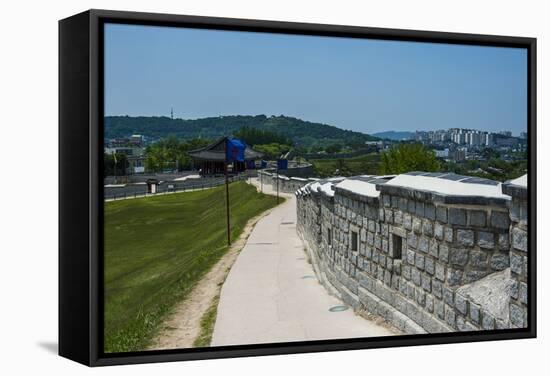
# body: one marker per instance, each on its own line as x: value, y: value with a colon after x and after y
x: 172, y: 113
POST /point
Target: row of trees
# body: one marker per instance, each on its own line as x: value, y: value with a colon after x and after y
x: 171, y: 154
x: 271, y: 144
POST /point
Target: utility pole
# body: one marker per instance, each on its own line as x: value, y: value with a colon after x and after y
x: 227, y: 197
x: 277, y: 183
x: 114, y: 157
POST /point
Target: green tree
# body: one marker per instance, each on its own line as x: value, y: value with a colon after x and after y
x: 109, y: 164
x: 171, y: 153
x: 255, y: 136
x: 334, y: 148
x: 273, y: 150
x: 407, y: 157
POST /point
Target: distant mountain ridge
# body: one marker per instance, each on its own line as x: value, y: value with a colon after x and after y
x: 302, y: 133
x: 394, y: 135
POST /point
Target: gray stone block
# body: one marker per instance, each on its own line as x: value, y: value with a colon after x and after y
x: 381, y: 214
x: 478, y: 259
x: 440, y: 271
x: 410, y: 290
x: 500, y: 219
x: 398, y: 218
x: 412, y: 240
x: 426, y: 282
x: 434, y: 248
x: 488, y: 321
x: 406, y: 272
x: 427, y: 228
x: 438, y: 231
x: 458, y: 256
x: 411, y: 206
x: 514, y: 289
x: 423, y: 244
x: 419, y: 261
x: 441, y: 214
x: 473, y: 275
x: 474, y: 313
x: 450, y: 316
x: 430, y: 265
x: 439, y: 309
x: 454, y: 277
x: 461, y: 304
x: 410, y: 256
x: 516, y: 263
x: 415, y: 276
x: 477, y: 218
x: 420, y: 297
x: 387, y: 278
x: 519, y: 239
x: 449, y: 234
x: 429, y: 211
x: 444, y: 253
x: 465, y: 237
x: 503, y: 241
x: 388, y: 215
x: 402, y: 204
x: 500, y: 261
x: 448, y: 296
x: 518, y: 316
x: 457, y: 216
x: 523, y: 292
x: 437, y: 289
x: 407, y: 221
x: 429, y: 303
x: 486, y: 239
x: 417, y: 225
x: 419, y: 208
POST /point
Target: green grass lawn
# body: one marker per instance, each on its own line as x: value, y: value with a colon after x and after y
x: 158, y: 248
x: 368, y: 164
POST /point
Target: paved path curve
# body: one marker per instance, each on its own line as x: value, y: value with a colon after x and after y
x: 272, y: 295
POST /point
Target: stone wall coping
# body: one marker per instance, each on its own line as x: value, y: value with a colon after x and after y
x: 364, y: 185
x: 447, y: 188
x: 517, y: 188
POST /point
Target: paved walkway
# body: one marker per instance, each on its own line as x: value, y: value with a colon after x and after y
x: 272, y: 295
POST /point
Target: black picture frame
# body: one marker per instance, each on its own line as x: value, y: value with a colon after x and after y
x: 81, y: 185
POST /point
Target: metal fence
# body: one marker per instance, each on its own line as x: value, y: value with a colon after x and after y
x: 167, y: 187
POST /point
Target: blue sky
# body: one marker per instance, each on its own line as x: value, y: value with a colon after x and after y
x: 363, y: 85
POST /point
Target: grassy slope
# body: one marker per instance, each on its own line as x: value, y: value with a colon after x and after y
x: 365, y: 164
x: 158, y: 248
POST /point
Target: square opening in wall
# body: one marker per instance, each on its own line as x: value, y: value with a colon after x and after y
x: 397, y: 246
x: 354, y: 246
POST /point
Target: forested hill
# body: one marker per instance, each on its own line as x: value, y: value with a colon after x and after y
x: 302, y: 133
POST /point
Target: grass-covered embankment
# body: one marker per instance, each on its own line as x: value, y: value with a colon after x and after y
x: 158, y: 248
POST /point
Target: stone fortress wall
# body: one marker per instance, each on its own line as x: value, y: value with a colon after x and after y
x: 428, y: 252
x: 517, y: 190
x: 286, y: 184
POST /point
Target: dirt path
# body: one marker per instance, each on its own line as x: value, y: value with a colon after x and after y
x: 183, y: 326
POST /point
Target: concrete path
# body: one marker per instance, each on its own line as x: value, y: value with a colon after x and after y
x: 272, y: 295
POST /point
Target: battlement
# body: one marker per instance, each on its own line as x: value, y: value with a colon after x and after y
x: 421, y: 249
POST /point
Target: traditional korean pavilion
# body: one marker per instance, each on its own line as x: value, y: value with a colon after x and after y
x: 211, y: 159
